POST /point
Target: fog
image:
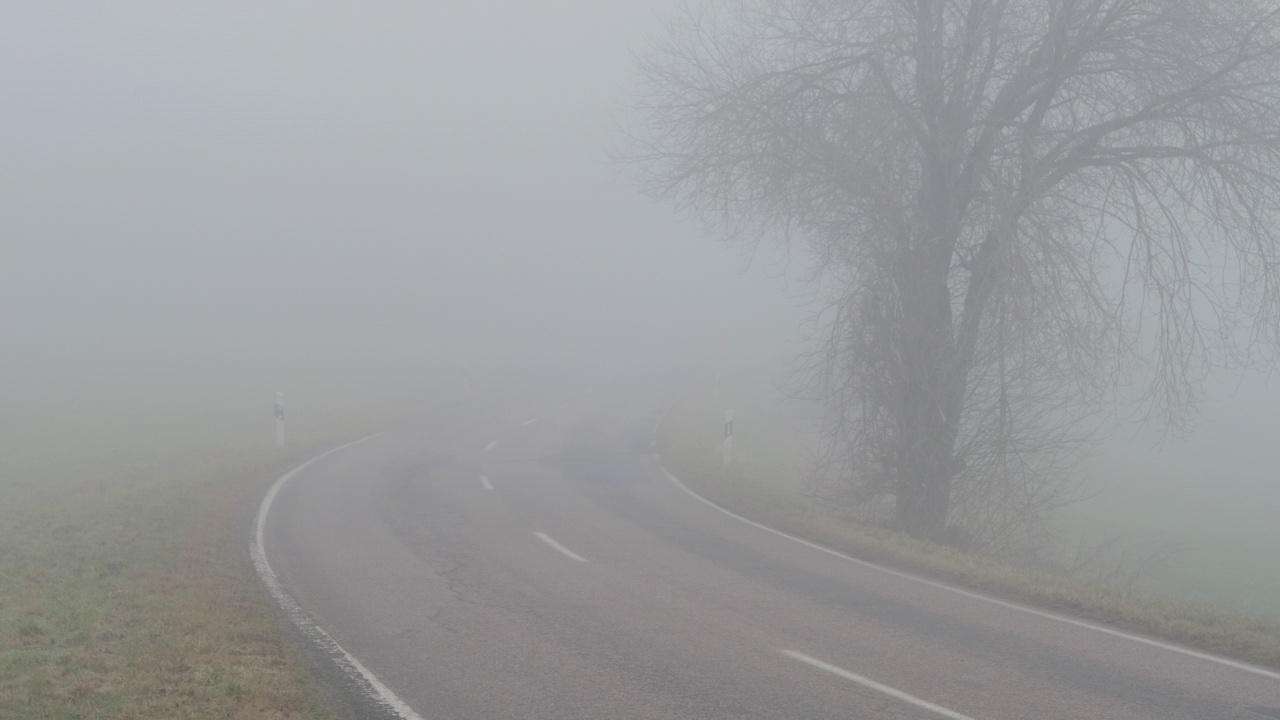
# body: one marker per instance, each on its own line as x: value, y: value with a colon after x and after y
x: 319, y: 183
x: 399, y: 190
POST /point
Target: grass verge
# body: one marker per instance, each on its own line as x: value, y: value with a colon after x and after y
x: 126, y: 589
x: 763, y: 485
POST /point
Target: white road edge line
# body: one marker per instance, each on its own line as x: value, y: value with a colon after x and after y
x: 1235, y: 664
x: 868, y: 682
x: 530, y: 421
x: 353, y: 668
x: 484, y: 480
x: 492, y: 444
x: 566, y: 551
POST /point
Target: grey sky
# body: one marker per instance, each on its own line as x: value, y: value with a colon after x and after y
x: 243, y: 179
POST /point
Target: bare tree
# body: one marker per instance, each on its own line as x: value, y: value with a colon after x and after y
x: 1013, y: 209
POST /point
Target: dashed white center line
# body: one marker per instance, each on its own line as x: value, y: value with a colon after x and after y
x: 530, y: 421
x: 492, y: 444
x: 564, y: 550
x: 867, y: 682
x: 484, y: 480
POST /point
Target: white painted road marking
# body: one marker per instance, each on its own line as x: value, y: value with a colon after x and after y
x: 484, y: 480
x: 530, y: 421
x: 567, y: 552
x: 354, y: 669
x: 868, y: 682
x: 1235, y: 664
x: 492, y: 444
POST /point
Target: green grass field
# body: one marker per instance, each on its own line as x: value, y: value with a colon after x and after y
x: 125, y: 585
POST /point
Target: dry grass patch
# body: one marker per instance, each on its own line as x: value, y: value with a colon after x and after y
x: 126, y: 589
x: 136, y: 600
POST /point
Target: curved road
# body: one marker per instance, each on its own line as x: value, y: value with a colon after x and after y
x: 528, y: 558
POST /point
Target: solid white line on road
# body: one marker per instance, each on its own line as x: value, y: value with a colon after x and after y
x: 868, y: 682
x: 567, y: 552
x: 530, y: 421
x: 484, y: 480
x: 1235, y: 664
x: 352, y: 667
x: 492, y: 444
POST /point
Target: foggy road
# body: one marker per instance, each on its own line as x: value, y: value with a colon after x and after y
x: 527, y: 557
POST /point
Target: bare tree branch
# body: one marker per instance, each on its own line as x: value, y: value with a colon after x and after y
x: 1018, y: 213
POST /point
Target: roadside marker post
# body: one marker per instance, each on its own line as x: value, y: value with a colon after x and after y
x: 279, y: 412
x: 728, y: 437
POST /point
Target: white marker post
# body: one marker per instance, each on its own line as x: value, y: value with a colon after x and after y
x: 279, y: 410
x: 728, y: 437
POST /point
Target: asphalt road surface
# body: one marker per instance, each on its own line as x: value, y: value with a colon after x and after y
x: 527, y: 557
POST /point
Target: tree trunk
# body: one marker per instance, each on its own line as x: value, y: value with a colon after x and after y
x: 924, y: 488
x: 927, y: 420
